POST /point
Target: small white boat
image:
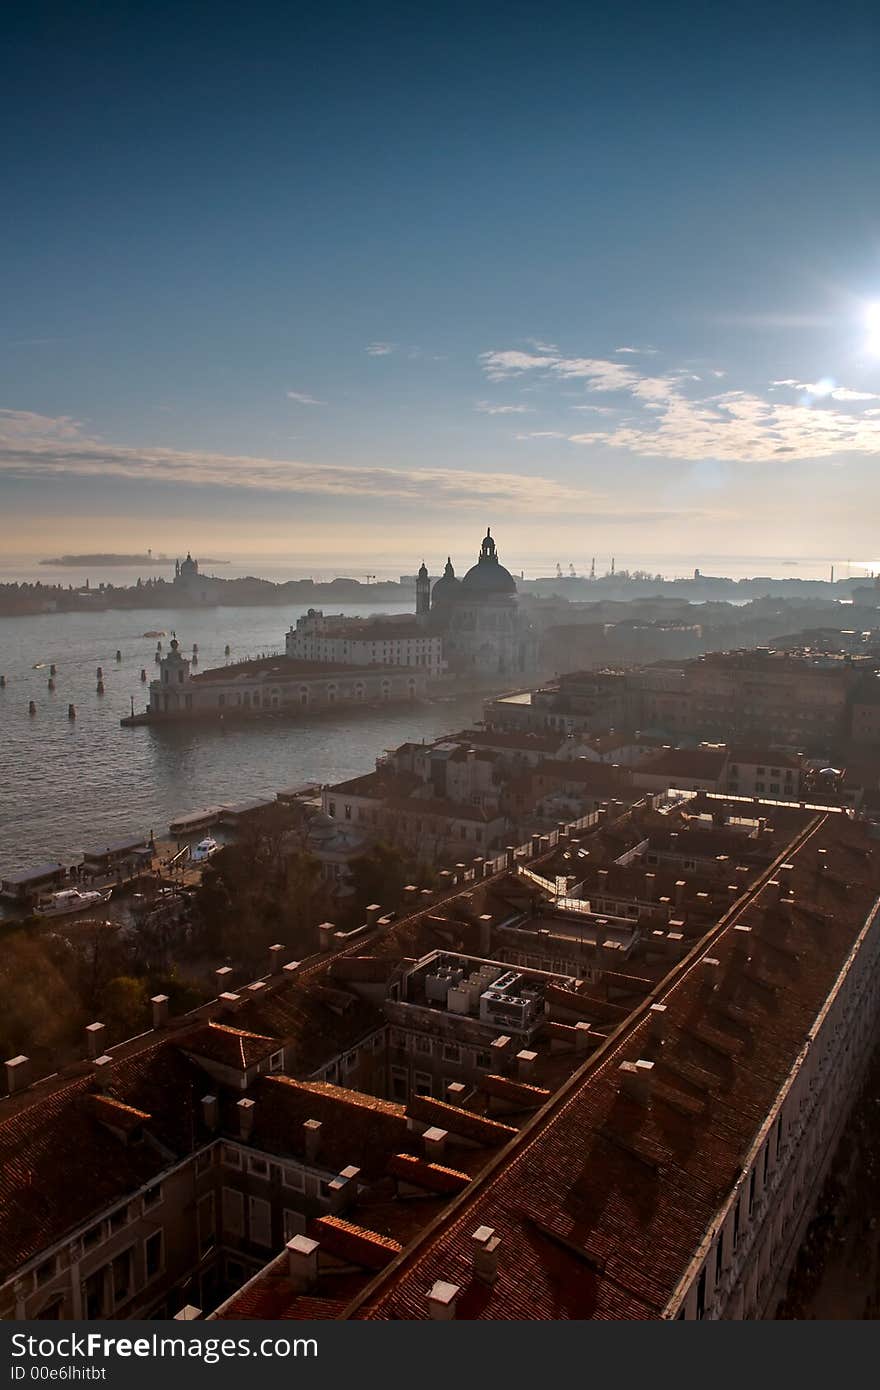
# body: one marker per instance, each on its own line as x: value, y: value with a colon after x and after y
x: 158, y: 632
x: 38, y: 665
x: 204, y: 850
x: 72, y: 900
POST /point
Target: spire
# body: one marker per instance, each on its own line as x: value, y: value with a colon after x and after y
x: 487, y: 549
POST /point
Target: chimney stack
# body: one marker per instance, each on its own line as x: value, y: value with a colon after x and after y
x: 95, y: 1033
x: 658, y: 1020
x: 312, y: 1132
x: 188, y: 1313
x: 160, y: 1004
x: 342, y: 1191
x: 582, y: 1041
x: 223, y: 977
x: 484, y: 922
x: 741, y: 940
x: 650, y: 883
x: 484, y: 1244
x: 302, y: 1262
x: 210, y: 1112
x: 374, y: 912
x: 229, y: 1002
x: 635, y: 1080
x: 326, y: 932
x: 275, y: 954
x: 500, y: 1051
x: 455, y: 1093
x: 102, y: 1069
x: 434, y: 1140
x: 680, y: 885
x: 442, y: 1300
x: 246, y: 1110
x: 526, y: 1064
x: 17, y: 1074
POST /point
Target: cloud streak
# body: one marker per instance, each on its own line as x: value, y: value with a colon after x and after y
x: 302, y: 398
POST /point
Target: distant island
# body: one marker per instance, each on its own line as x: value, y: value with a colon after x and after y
x: 106, y: 560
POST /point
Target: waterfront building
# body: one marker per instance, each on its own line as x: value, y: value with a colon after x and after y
x: 274, y: 684
x: 348, y: 641
x: 486, y: 631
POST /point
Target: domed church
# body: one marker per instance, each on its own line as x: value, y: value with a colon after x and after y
x: 484, y: 628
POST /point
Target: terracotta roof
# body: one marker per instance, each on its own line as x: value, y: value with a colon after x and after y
x: 356, y: 1128
x: 458, y: 1122
x: 379, y: 784
x: 230, y: 1047
x: 685, y: 762
x: 761, y: 757
x: 601, y: 1203
x: 60, y: 1166
x: 353, y: 1243
x: 433, y: 1177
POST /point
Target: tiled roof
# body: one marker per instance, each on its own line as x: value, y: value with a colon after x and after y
x: 601, y: 1202
x: 379, y: 784
x: 355, y: 1244
x: 60, y: 1165
x: 356, y: 1128
x: 433, y: 1177
x: 685, y: 762
x: 230, y: 1047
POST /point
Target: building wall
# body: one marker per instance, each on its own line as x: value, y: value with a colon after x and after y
x: 741, y: 1270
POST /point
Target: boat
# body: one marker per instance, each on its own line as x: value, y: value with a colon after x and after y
x: 72, y: 900
x: 38, y: 665
x: 160, y: 632
x: 204, y: 850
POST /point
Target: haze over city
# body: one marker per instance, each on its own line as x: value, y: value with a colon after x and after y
x: 349, y: 285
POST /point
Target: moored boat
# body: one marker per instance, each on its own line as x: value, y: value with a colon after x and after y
x: 70, y: 900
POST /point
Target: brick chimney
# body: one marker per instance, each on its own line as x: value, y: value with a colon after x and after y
x: 635, y: 1080
x: 484, y: 1244
x: 223, y: 978
x: 95, y: 1034
x: 343, y: 1190
x: 484, y: 922
x: 326, y: 933
x: 17, y: 1074
x: 525, y: 1064
x: 658, y: 1018
x: 434, y: 1140
x: 442, y: 1299
x: 275, y: 954
x: 210, y: 1112
x: 302, y: 1262
x: 374, y: 912
x: 246, y: 1110
x: 680, y: 886
x: 102, y: 1070
x: 312, y: 1135
x: 160, y: 1003
x: 455, y: 1093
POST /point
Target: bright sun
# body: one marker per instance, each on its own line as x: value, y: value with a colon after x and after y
x: 872, y: 319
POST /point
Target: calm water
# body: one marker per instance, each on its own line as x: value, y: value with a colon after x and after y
x: 65, y: 786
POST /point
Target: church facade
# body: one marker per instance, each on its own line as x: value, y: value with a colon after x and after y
x: 485, y: 631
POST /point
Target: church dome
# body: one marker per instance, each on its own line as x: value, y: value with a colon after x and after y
x: 488, y: 578
x: 448, y: 588
x: 189, y: 565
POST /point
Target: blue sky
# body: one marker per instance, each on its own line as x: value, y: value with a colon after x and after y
x: 357, y: 281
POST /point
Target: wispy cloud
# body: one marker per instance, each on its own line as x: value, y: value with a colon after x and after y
x: 598, y: 373
x: 638, y: 351
x: 543, y: 434
x: 488, y: 408
x: 379, y: 349
x: 302, y: 398
x: 674, y: 418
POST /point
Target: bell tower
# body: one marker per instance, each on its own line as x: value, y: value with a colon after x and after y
x: 423, y: 593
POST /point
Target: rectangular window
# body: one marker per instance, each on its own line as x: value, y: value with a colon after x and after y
x: 399, y: 1087
x: 424, y: 1045
x: 121, y: 1273
x: 294, y: 1224
x: 423, y: 1084
x: 260, y: 1221
x: 207, y: 1223
x: 451, y: 1052
x: 276, y: 1061
x: 44, y: 1272
x: 231, y: 1156
x: 153, y: 1196
x: 294, y: 1178
x: 701, y: 1293
x: 233, y: 1212
x: 119, y: 1219
x: 93, y: 1236
x: 259, y: 1167
x: 154, y: 1255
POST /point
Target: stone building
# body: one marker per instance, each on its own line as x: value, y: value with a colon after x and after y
x: 486, y: 632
